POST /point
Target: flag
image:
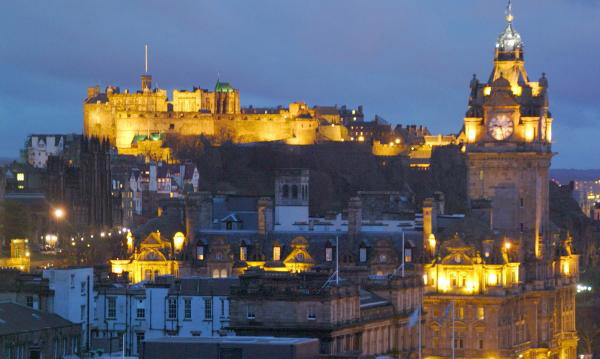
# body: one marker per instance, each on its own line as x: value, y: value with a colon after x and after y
x: 447, y: 311
x: 414, y: 317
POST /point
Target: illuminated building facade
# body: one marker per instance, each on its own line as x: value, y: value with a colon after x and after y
x: 502, y: 286
x: 136, y: 122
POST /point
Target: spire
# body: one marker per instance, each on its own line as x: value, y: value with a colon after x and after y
x: 509, y: 15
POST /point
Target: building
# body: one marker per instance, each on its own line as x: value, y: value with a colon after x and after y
x: 26, y: 289
x: 231, y: 347
x: 498, y: 283
x: 73, y: 296
x: 30, y: 333
x: 187, y: 307
x: 39, y: 147
x: 349, y: 319
x: 132, y: 121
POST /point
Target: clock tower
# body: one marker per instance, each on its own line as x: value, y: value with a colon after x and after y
x: 508, y: 133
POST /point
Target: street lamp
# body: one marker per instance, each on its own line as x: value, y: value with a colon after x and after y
x: 59, y: 213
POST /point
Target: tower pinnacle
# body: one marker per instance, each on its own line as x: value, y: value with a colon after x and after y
x: 509, y: 15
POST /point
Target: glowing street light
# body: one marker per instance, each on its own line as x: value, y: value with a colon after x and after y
x: 59, y: 213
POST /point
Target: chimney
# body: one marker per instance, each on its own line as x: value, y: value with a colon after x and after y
x: 429, y: 220
x: 93, y: 91
x: 354, y: 217
x: 198, y: 213
x: 146, y: 82
x: 482, y: 210
x: 265, y: 215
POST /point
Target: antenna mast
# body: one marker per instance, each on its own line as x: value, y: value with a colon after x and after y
x: 146, y: 57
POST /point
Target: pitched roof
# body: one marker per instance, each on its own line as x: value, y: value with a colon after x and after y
x: 15, y: 318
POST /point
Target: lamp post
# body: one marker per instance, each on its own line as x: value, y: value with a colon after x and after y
x: 58, y: 213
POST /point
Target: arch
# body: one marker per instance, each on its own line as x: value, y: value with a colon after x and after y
x: 223, y: 273
x: 215, y: 273
x: 148, y: 274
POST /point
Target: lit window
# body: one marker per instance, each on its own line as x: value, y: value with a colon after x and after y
x: 492, y: 279
x: 480, y: 313
x: 140, y: 311
x: 276, y: 253
x: 200, y: 253
x: 20, y: 177
x: 243, y: 253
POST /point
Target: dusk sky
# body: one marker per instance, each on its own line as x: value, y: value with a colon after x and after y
x: 408, y: 61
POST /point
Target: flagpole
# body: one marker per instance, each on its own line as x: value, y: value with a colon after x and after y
x: 419, y: 332
x: 337, y: 261
x: 403, y: 254
x: 452, y: 330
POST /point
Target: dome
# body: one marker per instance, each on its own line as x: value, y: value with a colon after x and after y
x: 509, y: 39
x: 223, y: 87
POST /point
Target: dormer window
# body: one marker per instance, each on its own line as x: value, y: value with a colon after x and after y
x: 276, y: 253
x: 328, y: 254
x: 200, y: 252
x: 362, y: 254
x: 243, y: 253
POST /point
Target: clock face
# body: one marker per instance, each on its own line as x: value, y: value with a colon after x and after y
x: 500, y: 127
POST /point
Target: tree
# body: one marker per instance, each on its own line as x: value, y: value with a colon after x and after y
x: 15, y: 220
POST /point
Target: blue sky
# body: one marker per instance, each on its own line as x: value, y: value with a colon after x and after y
x: 407, y: 61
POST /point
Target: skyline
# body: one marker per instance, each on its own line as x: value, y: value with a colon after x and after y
x: 320, y: 54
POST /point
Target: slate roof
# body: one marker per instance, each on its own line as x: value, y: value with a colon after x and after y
x: 15, y: 318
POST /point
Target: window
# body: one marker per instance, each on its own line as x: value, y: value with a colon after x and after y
x: 407, y: 255
x: 243, y: 253
x: 250, y: 312
x: 111, y: 305
x: 223, y: 273
x: 522, y: 202
x: 480, y: 313
x: 215, y: 273
x: 200, y: 253
x: 294, y: 191
x: 480, y: 343
x: 328, y: 254
x: 286, y: 191
x: 30, y: 301
x: 82, y: 313
x: 207, y: 308
x: 461, y: 313
x: 363, y: 254
x: 522, y: 227
x: 72, y: 280
x: 148, y: 274
x: 310, y: 312
x: 187, y: 308
x: 83, y: 288
x: 276, y: 253
x: 171, y: 126
x: 20, y: 177
x: 222, y: 307
x: 172, y: 308
x: 140, y: 311
x: 75, y: 344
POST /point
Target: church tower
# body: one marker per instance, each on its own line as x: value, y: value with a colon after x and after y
x: 495, y: 283
x: 508, y: 135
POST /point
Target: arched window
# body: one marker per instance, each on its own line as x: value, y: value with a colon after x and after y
x: 286, y: 191
x: 215, y: 273
x: 148, y: 274
x: 223, y: 273
x: 156, y: 274
x: 294, y: 191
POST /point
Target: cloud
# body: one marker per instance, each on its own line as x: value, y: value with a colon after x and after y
x: 408, y: 61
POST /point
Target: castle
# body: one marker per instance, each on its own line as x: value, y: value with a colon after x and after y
x: 136, y: 122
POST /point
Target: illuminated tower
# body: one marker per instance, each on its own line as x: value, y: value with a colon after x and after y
x: 497, y: 286
x: 507, y: 129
